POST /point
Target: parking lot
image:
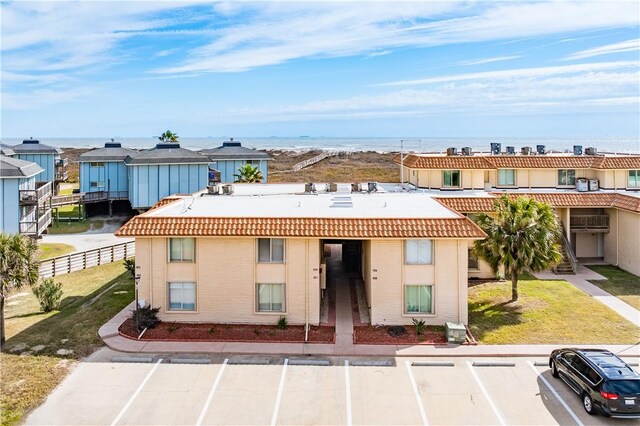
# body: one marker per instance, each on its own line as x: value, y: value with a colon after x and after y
x: 331, y: 391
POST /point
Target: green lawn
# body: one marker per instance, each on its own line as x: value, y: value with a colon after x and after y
x: 91, y: 297
x: 75, y: 227
x: 619, y: 283
x: 49, y: 250
x: 547, y: 312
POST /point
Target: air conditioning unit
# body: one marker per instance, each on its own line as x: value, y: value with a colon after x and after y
x: 356, y: 187
x: 456, y: 333
x: 582, y: 184
x: 466, y: 150
x: 525, y: 150
x: 372, y: 187
x: 213, y: 189
x: 593, y: 185
x: 591, y: 151
x: 309, y: 188
x: 452, y: 151
x: 227, y: 189
x: 511, y: 150
x: 540, y: 149
x: 577, y: 150
x: 332, y: 187
x: 496, y: 147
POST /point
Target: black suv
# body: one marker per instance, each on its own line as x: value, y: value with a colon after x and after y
x: 603, y: 381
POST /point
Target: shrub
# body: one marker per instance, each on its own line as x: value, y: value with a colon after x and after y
x: 147, y: 317
x: 419, y: 325
x: 172, y: 327
x: 49, y: 294
x: 211, y: 329
x: 282, y: 323
x: 130, y: 266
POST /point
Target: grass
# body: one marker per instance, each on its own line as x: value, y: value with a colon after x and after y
x: 547, y: 312
x: 49, y: 250
x: 619, y: 283
x: 89, y: 300
x: 75, y: 227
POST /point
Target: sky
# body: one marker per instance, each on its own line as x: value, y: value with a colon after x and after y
x: 341, y: 69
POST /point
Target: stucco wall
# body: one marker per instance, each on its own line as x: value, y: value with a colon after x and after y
x: 587, y: 244
x: 629, y: 241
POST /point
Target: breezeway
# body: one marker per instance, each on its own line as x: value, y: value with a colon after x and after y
x: 273, y: 390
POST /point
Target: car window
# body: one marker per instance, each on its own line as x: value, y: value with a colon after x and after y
x: 580, y: 366
x: 592, y: 375
x: 568, y: 356
x: 623, y: 387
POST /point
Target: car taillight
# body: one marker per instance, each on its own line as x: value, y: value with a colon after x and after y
x: 608, y: 395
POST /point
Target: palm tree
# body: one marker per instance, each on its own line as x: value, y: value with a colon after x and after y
x: 18, y: 266
x: 248, y: 174
x: 522, y: 235
x: 168, y: 136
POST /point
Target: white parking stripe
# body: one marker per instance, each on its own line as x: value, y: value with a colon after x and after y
x: 558, y: 397
x: 135, y: 394
x: 486, y: 394
x: 348, y: 387
x: 213, y: 390
x: 279, y: 397
x: 423, y: 414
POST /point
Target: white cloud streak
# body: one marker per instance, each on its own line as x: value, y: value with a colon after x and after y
x: 490, y: 60
x: 609, y: 49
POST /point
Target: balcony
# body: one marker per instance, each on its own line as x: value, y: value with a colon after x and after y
x: 35, y: 227
x: 38, y: 196
x: 589, y: 223
x: 61, y: 174
x: 62, y: 162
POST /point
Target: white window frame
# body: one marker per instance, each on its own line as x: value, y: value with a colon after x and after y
x: 283, y: 294
x: 432, y: 308
x: 515, y: 177
x: 637, y: 173
x: 284, y: 250
x: 566, y: 177
x: 451, y: 172
x: 418, y: 241
x: 96, y: 164
x: 182, y: 303
x: 182, y: 256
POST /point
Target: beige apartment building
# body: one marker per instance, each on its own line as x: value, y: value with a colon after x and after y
x: 596, y: 196
x: 259, y: 254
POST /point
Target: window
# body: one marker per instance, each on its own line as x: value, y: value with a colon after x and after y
x: 182, y: 249
x: 418, y: 299
x: 270, y: 297
x: 506, y: 177
x: 97, y: 184
x: 253, y: 162
x: 634, y: 179
x: 96, y: 164
x: 418, y: 252
x: 270, y: 250
x: 472, y: 263
x: 451, y: 178
x: 566, y: 177
x: 182, y: 296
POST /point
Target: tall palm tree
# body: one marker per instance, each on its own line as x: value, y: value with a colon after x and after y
x: 169, y: 136
x: 248, y: 174
x: 522, y: 235
x: 18, y: 266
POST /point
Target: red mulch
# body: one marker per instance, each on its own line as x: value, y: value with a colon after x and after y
x: 377, y: 335
x: 204, y: 332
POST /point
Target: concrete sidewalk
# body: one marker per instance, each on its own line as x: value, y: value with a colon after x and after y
x: 110, y: 336
x: 579, y: 280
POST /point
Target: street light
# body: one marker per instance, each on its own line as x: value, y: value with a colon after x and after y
x: 137, y: 281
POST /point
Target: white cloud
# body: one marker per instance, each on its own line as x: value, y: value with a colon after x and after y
x: 623, y: 46
x: 490, y: 60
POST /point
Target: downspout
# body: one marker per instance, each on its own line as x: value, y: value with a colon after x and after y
x: 458, y: 275
x: 150, y: 272
x: 617, y: 237
x: 306, y: 290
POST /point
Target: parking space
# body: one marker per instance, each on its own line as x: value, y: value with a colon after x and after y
x: 273, y: 391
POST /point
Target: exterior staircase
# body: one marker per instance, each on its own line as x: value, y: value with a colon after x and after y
x: 569, y: 263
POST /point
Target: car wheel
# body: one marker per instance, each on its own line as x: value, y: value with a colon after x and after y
x: 554, y: 369
x: 587, y: 403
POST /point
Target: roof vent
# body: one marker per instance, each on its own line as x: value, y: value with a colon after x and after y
x: 113, y: 144
x: 230, y: 142
x: 577, y: 150
x: 591, y: 151
x: 525, y: 150
x: 31, y: 140
x: 540, y: 149
x: 466, y: 150
x: 511, y: 150
x: 452, y: 151
x: 227, y: 189
x: 167, y: 145
x: 341, y: 201
x: 495, y: 148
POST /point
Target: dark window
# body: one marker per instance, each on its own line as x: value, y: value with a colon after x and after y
x: 623, y: 387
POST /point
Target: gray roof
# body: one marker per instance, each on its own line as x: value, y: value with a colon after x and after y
x: 6, y: 149
x: 167, y: 153
x: 235, y: 151
x: 15, y: 168
x: 112, y: 151
x: 33, y: 146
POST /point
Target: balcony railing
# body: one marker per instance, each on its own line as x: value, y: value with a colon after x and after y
x: 589, y: 223
x: 62, y: 162
x: 61, y: 174
x: 35, y: 227
x: 36, y: 196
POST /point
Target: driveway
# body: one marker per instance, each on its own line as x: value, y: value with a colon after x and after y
x: 88, y: 240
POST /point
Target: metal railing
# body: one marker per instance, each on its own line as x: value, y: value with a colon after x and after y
x: 43, y: 191
x: 86, y: 259
x: 88, y: 197
x: 35, y: 227
x: 569, y: 255
x: 589, y: 223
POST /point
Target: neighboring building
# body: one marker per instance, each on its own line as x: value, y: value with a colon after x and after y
x: 164, y: 170
x: 46, y: 156
x: 6, y: 150
x: 596, y: 197
x: 23, y: 200
x: 229, y: 157
x: 258, y: 254
x: 104, y: 171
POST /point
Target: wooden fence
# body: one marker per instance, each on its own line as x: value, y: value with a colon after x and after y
x: 325, y: 154
x: 86, y: 259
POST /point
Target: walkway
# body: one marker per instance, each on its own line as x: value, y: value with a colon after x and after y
x: 88, y: 240
x: 344, y: 317
x: 579, y: 280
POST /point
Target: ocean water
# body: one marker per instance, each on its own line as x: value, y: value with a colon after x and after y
x: 425, y: 144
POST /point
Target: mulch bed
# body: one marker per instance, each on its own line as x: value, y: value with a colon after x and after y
x: 206, y: 332
x: 383, y: 335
